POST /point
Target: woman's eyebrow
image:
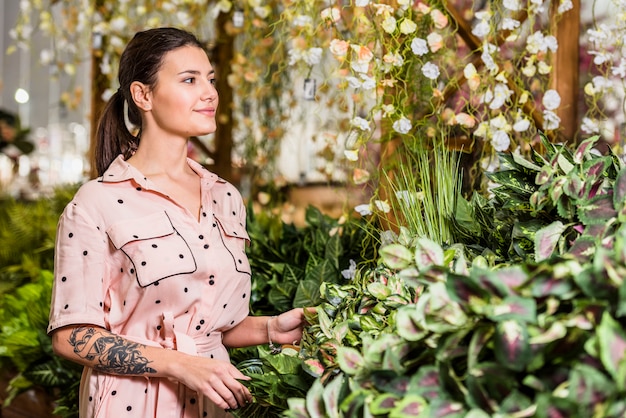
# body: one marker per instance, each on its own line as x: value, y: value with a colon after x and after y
x: 195, y: 72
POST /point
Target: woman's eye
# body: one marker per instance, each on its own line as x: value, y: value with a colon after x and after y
x: 189, y: 80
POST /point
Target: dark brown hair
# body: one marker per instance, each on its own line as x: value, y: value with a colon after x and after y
x: 140, y: 61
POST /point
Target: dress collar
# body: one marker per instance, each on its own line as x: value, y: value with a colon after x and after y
x: 119, y: 170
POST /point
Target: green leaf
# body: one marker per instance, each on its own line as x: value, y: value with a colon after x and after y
x: 315, y: 400
x: 584, y: 147
x: 547, y: 238
x: 598, y: 210
x: 333, y: 392
x: 396, y: 256
x: 427, y: 253
x: 383, y: 404
x: 619, y: 190
x: 407, y: 324
x: 349, y: 359
x: 410, y: 406
x: 512, y: 346
x: 513, y: 307
x: 612, y: 342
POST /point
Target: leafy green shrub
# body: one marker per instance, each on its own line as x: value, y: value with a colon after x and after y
x: 536, y: 330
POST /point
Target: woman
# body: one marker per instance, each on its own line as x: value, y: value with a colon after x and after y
x: 152, y: 282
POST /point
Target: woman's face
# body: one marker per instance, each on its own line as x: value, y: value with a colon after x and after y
x: 184, y: 99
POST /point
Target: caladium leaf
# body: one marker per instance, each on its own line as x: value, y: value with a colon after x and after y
x: 313, y: 366
x: 333, y: 392
x: 489, y: 383
x: 584, y: 148
x: 379, y: 290
x: 314, y: 400
x: 619, y: 189
x: 513, y: 307
x: 390, y: 382
x: 383, y: 404
x: 547, y: 238
x: 427, y: 253
x: 350, y: 360
x: 445, y: 408
x: 589, y: 387
x: 612, y: 342
x: 464, y: 289
x: 598, y: 210
x: 396, y: 256
x: 512, y: 347
x: 297, y: 408
x: 410, y: 406
x: 408, y: 324
x: 425, y: 382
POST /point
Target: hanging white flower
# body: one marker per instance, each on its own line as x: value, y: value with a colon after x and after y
x: 402, y: 125
x: 510, y: 24
x: 472, y: 77
x: 388, y: 109
x: 339, y: 48
x: 430, y: 71
x: 360, y: 123
x: 501, y: 94
x: 312, y: 56
x: 389, y: 24
x: 382, y: 205
x: 262, y: 11
x: 363, y: 210
x: 481, y: 29
x: 550, y: 120
x: 513, y: 5
x: 332, y: 14
x: 544, y: 68
x: 359, y: 67
x: 350, y: 272
x: 590, y: 126
x: 419, y: 46
x: 500, y: 141
x: 407, y: 26
x: 435, y: 41
x: 521, y: 124
x: 499, y: 123
x: 565, y: 6
x: 529, y: 70
x: 302, y: 21
x: 620, y: 69
x: 481, y: 131
x: 551, y: 100
x: 487, y: 58
x: 351, y: 155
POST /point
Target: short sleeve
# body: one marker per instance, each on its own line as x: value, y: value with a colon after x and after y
x: 79, y: 267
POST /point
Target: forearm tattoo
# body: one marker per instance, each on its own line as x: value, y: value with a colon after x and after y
x: 111, y: 353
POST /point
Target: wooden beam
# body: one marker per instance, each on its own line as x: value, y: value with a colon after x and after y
x: 565, y: 68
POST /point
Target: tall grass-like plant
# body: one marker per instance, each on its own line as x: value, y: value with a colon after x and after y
x: 425, y: 186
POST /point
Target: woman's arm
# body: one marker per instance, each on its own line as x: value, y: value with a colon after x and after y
x: 285, y: 328
x: 104, y: 351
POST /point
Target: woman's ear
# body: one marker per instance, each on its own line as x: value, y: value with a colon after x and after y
x: 140, y: 94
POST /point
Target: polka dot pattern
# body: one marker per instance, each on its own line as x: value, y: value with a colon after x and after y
x: 141, y: 255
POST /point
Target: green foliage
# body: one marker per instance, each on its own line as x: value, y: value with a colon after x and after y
x: 290, y: 263
x: 553, y: 202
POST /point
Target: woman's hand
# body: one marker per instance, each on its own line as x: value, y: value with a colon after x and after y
x: 286, y: 328
x: 216, y: 379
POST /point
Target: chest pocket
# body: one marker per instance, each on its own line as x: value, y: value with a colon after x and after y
x: 154, y: 247
x: 234, y: 236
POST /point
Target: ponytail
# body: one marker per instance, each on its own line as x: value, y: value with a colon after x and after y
x: 112, y: 136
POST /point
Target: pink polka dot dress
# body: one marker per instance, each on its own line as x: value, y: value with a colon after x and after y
x: 130, y: 259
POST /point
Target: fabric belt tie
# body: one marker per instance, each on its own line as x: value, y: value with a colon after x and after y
x: 172, y: 393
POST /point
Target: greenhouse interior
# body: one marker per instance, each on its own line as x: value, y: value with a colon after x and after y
x: 418, y: 205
